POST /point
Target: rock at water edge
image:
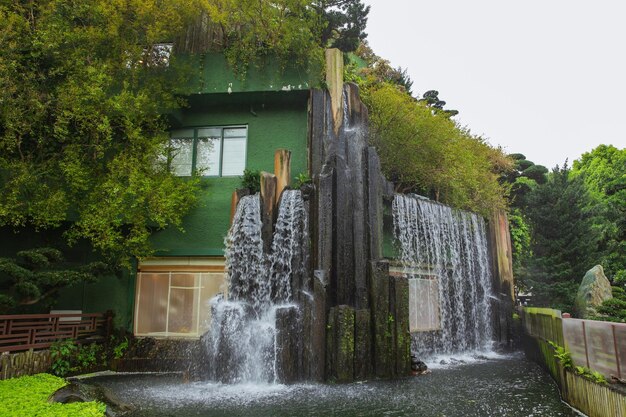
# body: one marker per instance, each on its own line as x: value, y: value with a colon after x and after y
x: 594, y: 289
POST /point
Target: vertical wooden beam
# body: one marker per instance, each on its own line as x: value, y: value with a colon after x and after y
x: 334, y: 83
x: 282, y: 170
x: 268, y: 205
x: 234, y: 201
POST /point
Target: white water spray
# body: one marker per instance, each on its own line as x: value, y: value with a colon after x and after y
x: 449, y: 246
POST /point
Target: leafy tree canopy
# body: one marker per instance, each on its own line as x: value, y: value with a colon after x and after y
x: 603, y: 171
x: 36, y: 275
x: 431, y: 99
x: 81, y: 118
x: 563, y: 243
x: 426, y: 152
x: 343, y: 23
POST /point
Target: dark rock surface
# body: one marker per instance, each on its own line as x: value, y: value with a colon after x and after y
x: 78, y: 392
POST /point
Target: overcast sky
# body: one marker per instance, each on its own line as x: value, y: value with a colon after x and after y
x: 546, y: 78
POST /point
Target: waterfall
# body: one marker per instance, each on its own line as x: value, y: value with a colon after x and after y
x: 443, y: 252
x: 244, y: 342
x: 290, y: 247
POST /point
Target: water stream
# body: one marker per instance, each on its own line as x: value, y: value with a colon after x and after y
x: 242, y: 340
x: 444, y: 253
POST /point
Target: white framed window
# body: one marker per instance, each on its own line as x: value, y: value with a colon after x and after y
x: 424, y: 304
x: 217, y: 151
x: 175, y: 303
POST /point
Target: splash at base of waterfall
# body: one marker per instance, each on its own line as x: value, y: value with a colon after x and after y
x: 245, y: 342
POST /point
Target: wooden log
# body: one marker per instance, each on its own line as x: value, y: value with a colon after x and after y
x: 282, y: 170
x: 268, y: 208
x: 334, y: 83
x: 234, y: 201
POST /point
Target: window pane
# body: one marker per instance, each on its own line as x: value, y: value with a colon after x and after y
x: 183, y: 314
x: 182, y: 134
x: 208, y: 155
x: 181, y: 156
x: 235, y: 132
x: 212, y: 284
x: 424, y: 312
x: 152, y: 303
x: 234, y: 156
x: 185, y: 280
x: 210, y: 132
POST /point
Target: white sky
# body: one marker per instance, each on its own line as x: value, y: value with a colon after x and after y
x: 546, y: 78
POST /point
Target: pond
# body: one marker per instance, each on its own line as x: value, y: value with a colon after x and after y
x: 496, y: 386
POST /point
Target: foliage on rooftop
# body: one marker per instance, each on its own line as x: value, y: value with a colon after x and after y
x: 424, y: 150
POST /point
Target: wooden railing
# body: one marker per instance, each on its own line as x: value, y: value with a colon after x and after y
x: 39, y: 331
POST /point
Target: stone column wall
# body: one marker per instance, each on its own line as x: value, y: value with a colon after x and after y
x: 503, y: 284
x: 13, y: 365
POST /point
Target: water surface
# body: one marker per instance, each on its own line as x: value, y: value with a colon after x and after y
x: 507, y: 386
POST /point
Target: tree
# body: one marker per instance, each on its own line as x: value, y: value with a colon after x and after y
x: 82, y: 125
x: 36, y: 275
x: 431, y: 99
x: 603, y: 171
x: 564, y: 244
x: 426, y: 152
x: 343, y: 23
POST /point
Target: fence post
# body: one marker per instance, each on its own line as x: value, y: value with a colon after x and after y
x: 108, y: 325
x: 585, y: 339
x: 619, y: 367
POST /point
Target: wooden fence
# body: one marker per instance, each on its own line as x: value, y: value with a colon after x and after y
x: 601, y: 344
x: 39, y: 331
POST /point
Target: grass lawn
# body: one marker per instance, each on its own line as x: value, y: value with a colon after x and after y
x: 27, y: 396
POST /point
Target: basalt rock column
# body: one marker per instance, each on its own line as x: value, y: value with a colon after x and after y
x: 347, y: 235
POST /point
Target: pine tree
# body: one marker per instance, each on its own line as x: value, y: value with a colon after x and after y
x: 564, y: 244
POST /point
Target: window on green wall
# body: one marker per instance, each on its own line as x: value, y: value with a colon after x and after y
x: 217, y: 151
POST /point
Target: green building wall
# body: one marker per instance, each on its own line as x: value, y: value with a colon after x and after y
x: 275, y: 120
x: 271, y: 102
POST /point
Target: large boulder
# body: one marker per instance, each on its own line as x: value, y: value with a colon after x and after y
x: 594, y: 289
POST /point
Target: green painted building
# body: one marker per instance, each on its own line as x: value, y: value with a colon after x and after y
x: 229, y: 125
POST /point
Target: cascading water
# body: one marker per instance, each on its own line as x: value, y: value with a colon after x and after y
x: 445, y: 249
x: 242, y: 340
x: 290, y: 247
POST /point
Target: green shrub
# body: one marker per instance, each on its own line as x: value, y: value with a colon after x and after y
x: 68, y: 357
x: 302, y: 179
x: 594, y: 376
x: 27, y: 396
x: 120, y: 348
x: 61, y: 353
x: 563, y: 355
x: 251, y: 180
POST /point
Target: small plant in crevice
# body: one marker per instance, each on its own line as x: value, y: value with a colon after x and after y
x: 594, y: 376
x: 563, y: 355
x: 302, y: 179
x: 251, y: 180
